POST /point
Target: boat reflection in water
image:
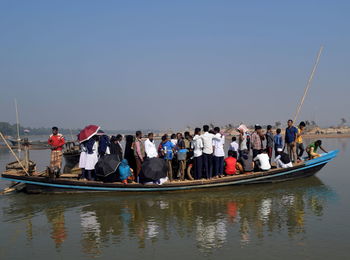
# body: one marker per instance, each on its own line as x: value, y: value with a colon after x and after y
x: 206, y: 219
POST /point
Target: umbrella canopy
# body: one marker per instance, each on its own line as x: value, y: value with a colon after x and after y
x: 107, y: 165
x: 154, y: 169
x: 88, y: 132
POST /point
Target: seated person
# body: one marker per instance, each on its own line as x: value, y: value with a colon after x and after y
x: 245, y: 162
x: 312, y: 149
x: 282, y: 159
x: 263, y: 161
x: 124, y: 171
x: 230, y: 163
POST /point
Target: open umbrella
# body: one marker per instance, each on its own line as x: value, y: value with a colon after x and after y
x: 88, y: 132
x: 154, y: 169
x: 106, y: 165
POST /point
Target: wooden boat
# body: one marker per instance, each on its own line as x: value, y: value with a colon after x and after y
x: 70, y: 183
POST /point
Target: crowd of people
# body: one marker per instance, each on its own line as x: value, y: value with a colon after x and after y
x: 203, y: 152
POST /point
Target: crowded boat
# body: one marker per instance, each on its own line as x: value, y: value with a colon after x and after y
x: 200, y: 155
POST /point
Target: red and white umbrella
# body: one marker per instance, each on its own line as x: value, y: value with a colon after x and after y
x: 88, y: 132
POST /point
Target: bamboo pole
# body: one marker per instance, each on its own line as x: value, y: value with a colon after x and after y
x: 308, y: 83
x: 18, y: 137
x: 14, y: 154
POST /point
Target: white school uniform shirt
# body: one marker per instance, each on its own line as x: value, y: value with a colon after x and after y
x: 234, y: 146
x: 207, y: 139
x: 150, y: 149
x: 218, y: 143
x: 264, y: 160
x: 197, y: 146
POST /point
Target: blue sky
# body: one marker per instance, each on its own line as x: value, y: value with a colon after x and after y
x: 168, y: 64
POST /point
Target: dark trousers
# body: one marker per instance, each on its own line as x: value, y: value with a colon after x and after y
x: 138, y: 169
x: 198, y: 167
x: 208, y: 165
x: 300, y: 150
x: 218, y: 165
x: 269, y: 152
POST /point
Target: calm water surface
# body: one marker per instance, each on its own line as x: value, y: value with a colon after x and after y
x: 306, y: 219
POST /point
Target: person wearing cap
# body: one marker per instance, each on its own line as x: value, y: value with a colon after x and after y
x: 56, y: 142
x: 282, y: 159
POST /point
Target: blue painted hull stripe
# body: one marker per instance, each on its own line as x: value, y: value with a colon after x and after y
x: 168, y: 188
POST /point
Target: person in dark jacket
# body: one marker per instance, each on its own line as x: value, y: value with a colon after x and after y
x: 116, y: 147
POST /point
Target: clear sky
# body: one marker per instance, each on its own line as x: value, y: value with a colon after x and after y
x: 168, y: 64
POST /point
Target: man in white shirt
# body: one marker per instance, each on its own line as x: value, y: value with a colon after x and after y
x: 219, y: 154
x: 263, y: 161
x: 234, y: 145
x: 150, y: 147
x: 207, y: 139
x: 282, y: 159
x: 197, y: 146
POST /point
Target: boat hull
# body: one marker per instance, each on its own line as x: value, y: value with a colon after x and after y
x: 35, y: 184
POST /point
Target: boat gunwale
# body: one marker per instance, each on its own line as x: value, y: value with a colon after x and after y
x: 228, y: 180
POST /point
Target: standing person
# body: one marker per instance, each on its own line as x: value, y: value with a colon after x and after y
x: 234, y: 145
x: 278, y: 141
x: 197, y: 146
x: 139, y: 153
x: 289, y: 139
x: 56, y: 142
x: 168, y: 151
x: 181, y: 156
x: 230, y: 162
x: 129, y: 151
x: 312, y: 149
x: 207, y: 139
x: 256, y: 141
x: 164, y: 139
x: 119, y: 147
x: 82, y: 158
x: 187, y: 140
x: 173, y: 139
x: 219, y: 154
x: 103, y: 143
x: 299, y: 141
x: 150, y: 147
x: 242, y: 140
x: 91, y: 158
x: 269, y: 141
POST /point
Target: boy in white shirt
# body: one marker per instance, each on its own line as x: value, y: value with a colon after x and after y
x: 263, y: 161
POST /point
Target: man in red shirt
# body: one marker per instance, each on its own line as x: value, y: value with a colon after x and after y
x: 56, y: 142
x: 230, y: 163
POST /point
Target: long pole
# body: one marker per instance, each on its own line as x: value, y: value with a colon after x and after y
x: 18, y: 137
x: 14, y: 154
x: 308, y: 83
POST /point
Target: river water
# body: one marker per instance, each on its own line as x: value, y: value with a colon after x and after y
x: 302, y: 219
